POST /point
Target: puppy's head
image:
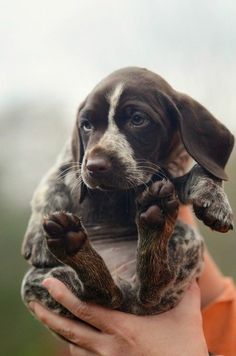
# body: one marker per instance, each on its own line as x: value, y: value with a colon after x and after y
x: 133, y: 122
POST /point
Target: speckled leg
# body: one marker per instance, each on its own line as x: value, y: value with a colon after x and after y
x: 32, y: 288
x: 205, y: 192
x: 157, y: 213
x: 68, y: 241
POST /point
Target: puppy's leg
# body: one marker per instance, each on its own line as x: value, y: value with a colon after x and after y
x: 32, y: 289
x: 68, y: 241
x: 186, y: 249
x: 157, y: 213
x: 206, y: 194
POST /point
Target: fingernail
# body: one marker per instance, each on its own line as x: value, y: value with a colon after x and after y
x: 31, y: 306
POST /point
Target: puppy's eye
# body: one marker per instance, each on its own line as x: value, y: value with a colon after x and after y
x: 139, y: 120
x: 86, y: 125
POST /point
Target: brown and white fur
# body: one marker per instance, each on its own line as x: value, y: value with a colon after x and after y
x: 119, y: 182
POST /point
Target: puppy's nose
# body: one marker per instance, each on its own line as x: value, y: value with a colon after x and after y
x: 98, y: 165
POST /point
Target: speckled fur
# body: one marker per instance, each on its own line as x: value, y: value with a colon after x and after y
x: 169, y: 253
x: 177, y: 248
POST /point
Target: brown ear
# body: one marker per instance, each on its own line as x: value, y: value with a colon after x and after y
x: 76, y: 145
x: 78, y: 150
x: 208, y: 141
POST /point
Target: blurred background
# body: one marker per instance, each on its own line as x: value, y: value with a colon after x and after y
x: 52, y: 54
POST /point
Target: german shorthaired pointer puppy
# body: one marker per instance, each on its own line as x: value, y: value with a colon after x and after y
x: 119, y: 182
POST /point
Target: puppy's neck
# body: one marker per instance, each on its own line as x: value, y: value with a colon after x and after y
x: 108, y: 211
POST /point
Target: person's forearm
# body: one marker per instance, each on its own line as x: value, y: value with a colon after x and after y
x: 212, y: 277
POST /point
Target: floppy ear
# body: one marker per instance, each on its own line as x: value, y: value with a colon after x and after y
x: 77, y: 145
x: 78, y: 151
x: 208, y: 141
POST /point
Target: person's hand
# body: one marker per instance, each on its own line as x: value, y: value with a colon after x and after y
x: 177, y: 332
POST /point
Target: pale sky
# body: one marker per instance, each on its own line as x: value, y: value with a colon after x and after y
x: 60, y: 49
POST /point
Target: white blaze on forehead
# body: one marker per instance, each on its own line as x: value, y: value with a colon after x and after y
x: 113, y: 140
x: 113, y: 100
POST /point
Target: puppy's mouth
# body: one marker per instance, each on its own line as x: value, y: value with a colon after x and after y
x: 110, y: 184
x: 112, y: 175
x: 105, y: 187
x: 117, y: 183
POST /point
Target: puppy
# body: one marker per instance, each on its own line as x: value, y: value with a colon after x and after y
x: 119, y: 181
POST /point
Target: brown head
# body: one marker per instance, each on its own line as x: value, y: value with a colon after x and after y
x: 133, y: 122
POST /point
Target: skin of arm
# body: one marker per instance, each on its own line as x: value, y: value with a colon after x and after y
x: 107, y: 332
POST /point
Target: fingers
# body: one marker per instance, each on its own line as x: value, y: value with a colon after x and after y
x: 74, y: 331
x: 97, y: 316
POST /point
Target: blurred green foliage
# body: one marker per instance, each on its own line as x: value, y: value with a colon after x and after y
x: 21, y: 334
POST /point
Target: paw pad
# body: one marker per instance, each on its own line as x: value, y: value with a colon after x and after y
x: 157, y: 203
x: 64, y: 233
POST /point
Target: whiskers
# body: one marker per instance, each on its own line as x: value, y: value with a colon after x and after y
x: 72, y: 172
x: 147, y: 168
x: 143, y: 173
x: 68, y: 168
x: 150, y: 168
x: 76, y: 184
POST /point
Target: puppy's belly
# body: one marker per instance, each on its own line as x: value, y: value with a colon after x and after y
x: 119, y: 255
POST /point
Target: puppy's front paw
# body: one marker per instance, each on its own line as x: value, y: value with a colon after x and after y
x: 64, y: 233
x: 211, y: 205
x: 157, y: 204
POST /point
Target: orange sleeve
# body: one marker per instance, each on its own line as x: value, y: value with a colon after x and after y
x: 219, y: 317
x: 219, y: 321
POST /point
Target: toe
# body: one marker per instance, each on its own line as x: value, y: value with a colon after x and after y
x: 52, y: 228
x: 153, y: 216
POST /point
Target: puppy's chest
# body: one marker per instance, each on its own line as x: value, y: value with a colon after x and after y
x: 109, y: 219
x: 108, y: 213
